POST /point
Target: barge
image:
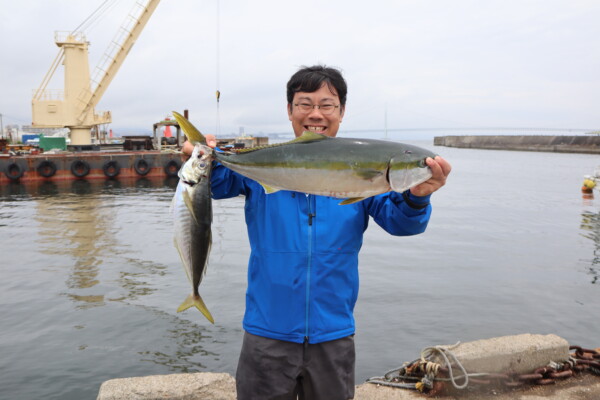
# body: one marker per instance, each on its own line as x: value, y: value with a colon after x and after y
x: 137, y: 156
x: 89, y: 165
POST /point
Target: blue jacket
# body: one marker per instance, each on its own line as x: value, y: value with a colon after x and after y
x: 303, y: 268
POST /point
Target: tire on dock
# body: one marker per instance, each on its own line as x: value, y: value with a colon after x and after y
x: 141, y: 167
x: 13, y: 171
x: 111, y: 168
x: 172, y: 168
x: 46, y: 168
x: 80, y: 168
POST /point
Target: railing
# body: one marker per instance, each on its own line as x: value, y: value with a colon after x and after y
x: 48, y: 94
x: 117, y: 43
x: 69, y: 37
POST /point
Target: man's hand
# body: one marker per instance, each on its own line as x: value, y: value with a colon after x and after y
x: 440, y: 170
x: 188, y: 148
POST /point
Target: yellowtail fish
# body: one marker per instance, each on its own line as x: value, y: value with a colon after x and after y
x: 348, y: 168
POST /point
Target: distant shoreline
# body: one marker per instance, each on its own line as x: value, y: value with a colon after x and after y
x: 543, y: 143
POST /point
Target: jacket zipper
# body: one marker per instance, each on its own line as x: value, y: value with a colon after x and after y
x: 311, y: 215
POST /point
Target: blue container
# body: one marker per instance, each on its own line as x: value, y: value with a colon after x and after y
x: 26, y: 138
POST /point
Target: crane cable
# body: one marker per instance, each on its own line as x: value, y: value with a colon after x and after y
x: 218, y: 92
x: 97, y: 20
x: 95, y: 16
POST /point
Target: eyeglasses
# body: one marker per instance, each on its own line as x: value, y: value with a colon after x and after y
x: 325, y: 109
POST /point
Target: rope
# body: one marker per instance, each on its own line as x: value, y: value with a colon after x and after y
x: 430, y: 370
x: 425, y: 371
x: 386, y: 379
x: 393, y: 384
x: 445, y: 352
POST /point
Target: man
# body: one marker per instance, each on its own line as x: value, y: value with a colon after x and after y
x: 303, y: 267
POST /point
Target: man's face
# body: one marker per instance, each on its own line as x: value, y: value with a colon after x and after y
x: 315, y: 120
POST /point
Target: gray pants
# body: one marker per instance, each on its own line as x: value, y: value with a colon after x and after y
x: 272, y: 369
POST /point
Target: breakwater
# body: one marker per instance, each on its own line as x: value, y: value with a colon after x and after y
x: 556, y: 144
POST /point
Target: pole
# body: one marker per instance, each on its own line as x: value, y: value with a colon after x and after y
x: 1, y: 127
x: 385, y: 121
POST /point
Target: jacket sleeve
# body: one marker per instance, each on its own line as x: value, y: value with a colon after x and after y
x: 391, y: 211
x: 225, y: 183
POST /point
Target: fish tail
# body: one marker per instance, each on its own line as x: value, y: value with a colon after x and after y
x: 196, y: 301
x: 190, y: 131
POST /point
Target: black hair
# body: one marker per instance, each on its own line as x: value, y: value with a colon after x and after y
x: 310, y: 79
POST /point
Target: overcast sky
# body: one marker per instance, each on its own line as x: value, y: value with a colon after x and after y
x: 434, y: 63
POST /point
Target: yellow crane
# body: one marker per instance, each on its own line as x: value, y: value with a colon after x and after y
x: 74, y: 107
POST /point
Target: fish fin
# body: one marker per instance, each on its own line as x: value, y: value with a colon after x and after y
x: 351, y: 200
x: 368, y: 174
x: 172, y: 205
x: 183, y: 260
x: 308, y: 136
x: 190, y: 131
x: 269, y: 189
x: 188, y: 203
x: 196, y: 301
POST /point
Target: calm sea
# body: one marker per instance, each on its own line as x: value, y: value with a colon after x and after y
x: 91, y: 280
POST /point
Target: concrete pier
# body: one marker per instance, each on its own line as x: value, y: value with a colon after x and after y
x: 203, y: 385
x: 520, y: 353
x: 557, y: 144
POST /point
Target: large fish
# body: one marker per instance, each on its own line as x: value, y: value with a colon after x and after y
x: 348, y: 168
x: 192, y: 216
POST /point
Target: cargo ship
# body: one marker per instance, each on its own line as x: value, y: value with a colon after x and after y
x: 135, y: 156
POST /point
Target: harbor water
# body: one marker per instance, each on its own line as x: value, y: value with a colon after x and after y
x: 91, y: 279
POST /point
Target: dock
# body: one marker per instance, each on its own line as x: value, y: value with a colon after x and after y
x: 517, y: 354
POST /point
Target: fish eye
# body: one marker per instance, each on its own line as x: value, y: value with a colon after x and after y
x: 202, y: 164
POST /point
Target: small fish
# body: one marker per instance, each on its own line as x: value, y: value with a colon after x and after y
x: 192, y: 217
x: 348, y: 168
